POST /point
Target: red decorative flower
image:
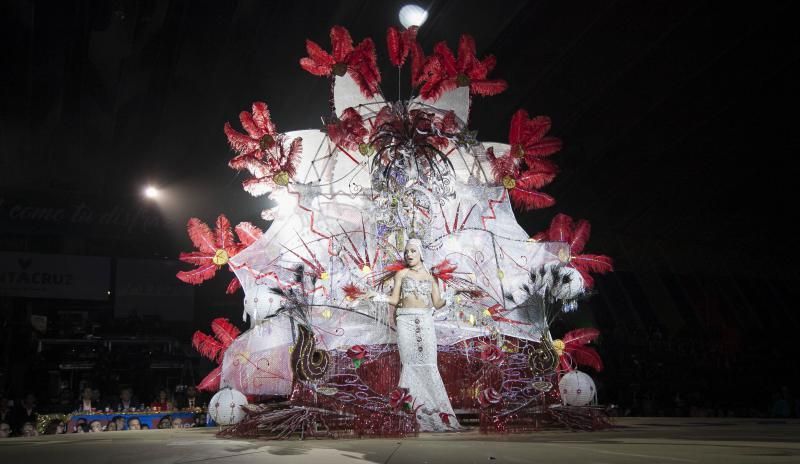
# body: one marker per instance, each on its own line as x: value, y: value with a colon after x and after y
x: 359, y: 61
x: 215, y: 249
x: 492, y: 353
x: 576, y: 235
x: 356, y: 352
x: 214, y: 348
x: 347, y: 131
x: 445, y: 417
x: 489, y: 397
x: 400, y: 398
x: 443, y: 71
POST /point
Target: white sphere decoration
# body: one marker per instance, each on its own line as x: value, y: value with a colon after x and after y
x: 577, y: 389
x: 412, y: 15
x: 225, y: 408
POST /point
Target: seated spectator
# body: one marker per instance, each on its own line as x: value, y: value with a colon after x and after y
x: 5, y: 429
x: 145, y: 427
x: 190, y: 399
x: 126, y: 401
x: 29, y: 430
x: 177, y: 423
x: 95, y: 426
x: 163, y: 401
x: 165, y: 423
x: 27, y: 411
x: 134, y: 424
x: 87, y: 404
x: 111, y: 426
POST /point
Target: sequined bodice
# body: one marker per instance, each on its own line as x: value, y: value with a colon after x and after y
x: 419, y: 288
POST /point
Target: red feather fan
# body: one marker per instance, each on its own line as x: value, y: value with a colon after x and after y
x: 443, y: 71
x: 576, y: 235
x: 360, y: 62
x: 215, y: 249
x: 262, y: 151
x: 577, y: 351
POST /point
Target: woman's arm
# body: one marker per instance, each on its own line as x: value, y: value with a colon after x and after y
x: 394, y: 298
x: 436, y: 296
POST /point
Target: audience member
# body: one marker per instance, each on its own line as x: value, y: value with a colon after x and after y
x: 55, y: 427
x: 127, y: 402
x: 162, y: 402
x: 177, y: 423
x: 26, y: 412
x: 87, y: 403
x: 5, y: 429
x: 190, y: 399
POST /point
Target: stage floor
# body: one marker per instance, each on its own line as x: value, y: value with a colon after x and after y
x: 639, y: 440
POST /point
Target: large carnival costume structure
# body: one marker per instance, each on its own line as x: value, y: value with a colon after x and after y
x: 349, y: 199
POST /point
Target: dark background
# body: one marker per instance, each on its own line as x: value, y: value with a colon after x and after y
x: 679, y: 129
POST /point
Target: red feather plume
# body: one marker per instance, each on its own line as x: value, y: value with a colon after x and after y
x: 199, y: 275
x: 207, y: 346
x: 211, y: 382
x: 561, y: 228
x: 225, y: 332
x: 248, y: 233
x: 580, y: 235
x: 224, y: 234
x: 530, y: 199
x: 201, y: 236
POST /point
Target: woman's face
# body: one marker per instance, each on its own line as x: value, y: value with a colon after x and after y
x: 411, y: 255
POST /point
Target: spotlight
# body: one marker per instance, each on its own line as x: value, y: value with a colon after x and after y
x: 151, y: 192
x: 412, y: 15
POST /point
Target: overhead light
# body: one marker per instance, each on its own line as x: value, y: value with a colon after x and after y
x: 412, y: 15
x: 151, y: 192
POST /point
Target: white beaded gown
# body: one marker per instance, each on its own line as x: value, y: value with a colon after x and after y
x: 416, y: 341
